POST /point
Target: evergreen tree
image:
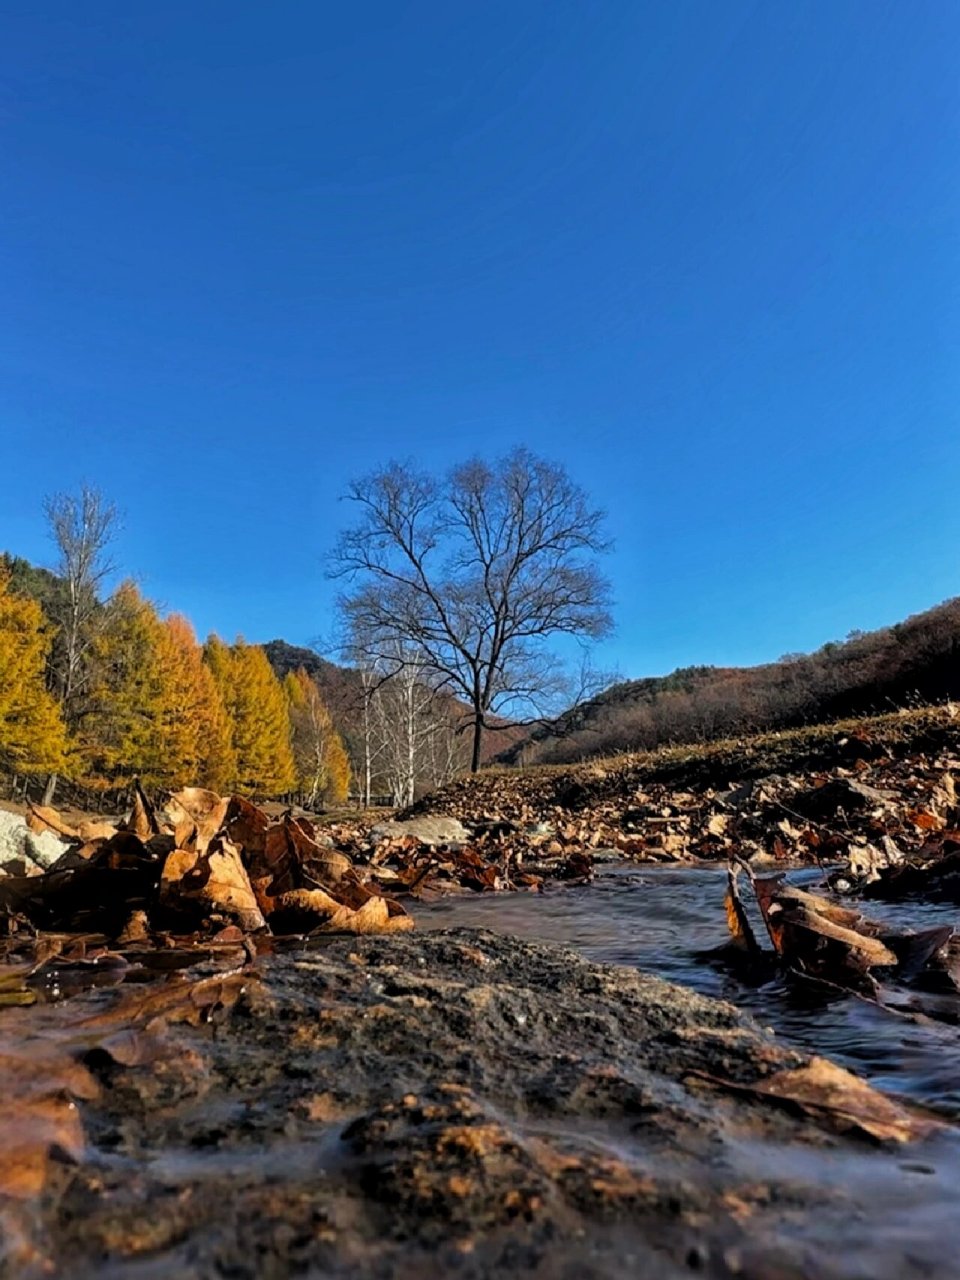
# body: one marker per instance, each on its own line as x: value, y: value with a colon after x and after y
x: 31, y: 729
x: 119, y: 736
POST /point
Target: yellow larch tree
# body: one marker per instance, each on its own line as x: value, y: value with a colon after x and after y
x: 194, y: 736
x: 322, y: 764
x: 119, y: 733
x: 32, y: 736
x: 260, y: 721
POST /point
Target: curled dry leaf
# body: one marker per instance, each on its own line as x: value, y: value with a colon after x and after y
x: 197, y: 808
x: 38, y: 1114
x: 377, y: 915
x: 741, y: 931
x: 214, y: 881
x: 821, y: 1088
x: 89, y: 832
x: 143, y: 820
x: 801, y: 927
x: 41, y: 819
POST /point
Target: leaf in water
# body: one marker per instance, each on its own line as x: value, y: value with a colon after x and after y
x: 740, y: 928
x: 822, y: 1089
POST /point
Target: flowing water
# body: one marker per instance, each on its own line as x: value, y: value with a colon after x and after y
x: 663, y: 920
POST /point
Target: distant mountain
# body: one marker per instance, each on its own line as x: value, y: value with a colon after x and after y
x: 339, y: 686
x: 915, y: 661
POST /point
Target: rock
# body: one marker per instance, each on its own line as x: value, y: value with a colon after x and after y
x: 608, y: 855
x: 460, y: 1103
x: 428, y: 830
x: 18, y: 841
x: 840, y: 793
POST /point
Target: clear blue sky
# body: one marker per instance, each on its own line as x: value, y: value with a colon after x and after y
x: 703, y: 252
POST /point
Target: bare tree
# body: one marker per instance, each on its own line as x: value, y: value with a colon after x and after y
x: 82, y: 527
x: 413, y: 730
x: 469, y: 577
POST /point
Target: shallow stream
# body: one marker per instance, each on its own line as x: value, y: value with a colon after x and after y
x: 662, y: 919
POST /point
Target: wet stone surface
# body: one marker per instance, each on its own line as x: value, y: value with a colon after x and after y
x: 471, y: 1105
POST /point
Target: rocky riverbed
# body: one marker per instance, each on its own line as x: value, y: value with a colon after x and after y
x: 454, y: 1101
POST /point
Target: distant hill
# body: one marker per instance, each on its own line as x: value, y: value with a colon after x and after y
x: 915, y: 661
x: 340, y: 686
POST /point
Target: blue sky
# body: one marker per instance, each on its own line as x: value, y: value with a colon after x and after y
x: 704, y: 254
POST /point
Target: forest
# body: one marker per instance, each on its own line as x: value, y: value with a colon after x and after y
x: 135, y: 695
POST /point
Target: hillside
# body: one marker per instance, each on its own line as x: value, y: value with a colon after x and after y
x: 879, y: 792
x: 343, y: 694
x: 915, y: 661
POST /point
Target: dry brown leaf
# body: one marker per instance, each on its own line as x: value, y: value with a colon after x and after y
x: 213, y: 881
x: 143, y: 816
x: 925, y: 820
x: 91, y: 831
x: 42, y: 818
x: 301, y: 910
x: 373, y: 917
x: 38, y: 1114
x: 204, y: 810
x: 821, y: 1088
x: 740, y: 928
x: 33, y: 1131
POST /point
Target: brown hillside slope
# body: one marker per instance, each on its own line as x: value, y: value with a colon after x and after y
x: 915, y: 662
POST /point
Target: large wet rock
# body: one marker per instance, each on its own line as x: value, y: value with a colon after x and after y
x: 457, y: 1103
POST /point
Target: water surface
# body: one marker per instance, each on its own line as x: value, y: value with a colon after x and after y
x: 661, y: 919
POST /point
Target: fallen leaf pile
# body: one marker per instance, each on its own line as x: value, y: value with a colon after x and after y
x: 198, y: 865
x: 884, y: 801
x: 822, y: 940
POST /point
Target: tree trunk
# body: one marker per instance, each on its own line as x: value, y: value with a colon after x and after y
x: 477, y: 743
x: 50, y: 788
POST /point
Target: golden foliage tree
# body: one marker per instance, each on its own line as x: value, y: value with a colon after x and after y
x: 154, y: 709
x: 322, y: 764
x: 259, y: 718
x: 194, y: 735
x: 31, y: 728
x: 119, y: 733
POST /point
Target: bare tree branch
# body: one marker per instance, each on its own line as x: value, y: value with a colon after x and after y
x: 82, y: 527
x: 470, y: 578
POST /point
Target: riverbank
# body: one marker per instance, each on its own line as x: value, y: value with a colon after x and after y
x: 463, y: 1102
x: 209, y: 1068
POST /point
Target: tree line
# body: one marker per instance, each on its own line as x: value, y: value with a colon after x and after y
x: 95, y: 692
x: 456, y: 588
